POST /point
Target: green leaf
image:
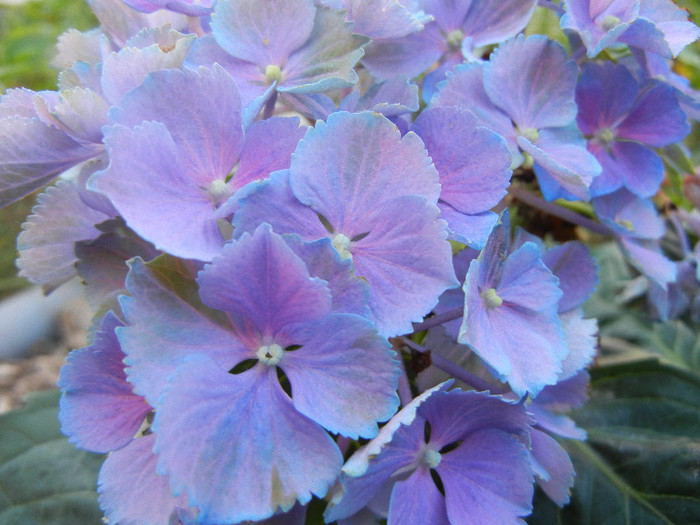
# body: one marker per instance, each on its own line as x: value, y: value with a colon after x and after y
x: 677, y: 343
x: 641, y: 464
x: 44, y: 479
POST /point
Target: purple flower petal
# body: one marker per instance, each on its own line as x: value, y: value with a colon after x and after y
x: 554, y: 460
x: 388, y: 259
x: 33, y: 153
x: 268, y: 147
x: 162, y: 330
x: 533, y: 81
x: 354, y: 163
x: 576, y: 270
x: 417, y: 501
x: 494, y: 21
x: 488, y: 478
x: 657, y: 119
x: 473, y: 163
x: 259, y: 278
x: 147, y: 182
x: 47, y: 243
x: 235, y: 426
x: 208, y: 131
x: 344, y: 376
x: 264, y: 33
x: 98, y: 409
x: 132, y: 492
x: 472, y: 230
x: 380, y: 19
x: 672, y: 20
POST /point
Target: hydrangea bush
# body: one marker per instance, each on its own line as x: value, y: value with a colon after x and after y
x: 303, y: 227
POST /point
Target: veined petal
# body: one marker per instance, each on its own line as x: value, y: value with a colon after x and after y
x: 260, y: 279
x: 235, y: 427
x: 344, y: 376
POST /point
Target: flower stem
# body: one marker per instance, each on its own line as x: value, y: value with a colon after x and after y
x: 438, y: 319
x: 558, y: 211
x: 454, y: 370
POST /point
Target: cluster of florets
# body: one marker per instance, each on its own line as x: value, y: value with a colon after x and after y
x: 270, y: 222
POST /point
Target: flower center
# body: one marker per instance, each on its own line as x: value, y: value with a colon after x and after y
x: 341, y: 242
x: 270, y: 354
x: 454, y: 39
x: 273, y: 73
x: 218, y: 191
x: 431, y: 458
x: 605, y: 136
x: 491, y: 298
x: 530, y: 134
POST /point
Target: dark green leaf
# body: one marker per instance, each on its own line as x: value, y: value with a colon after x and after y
x: 44, y: 480
x: 641, y: 464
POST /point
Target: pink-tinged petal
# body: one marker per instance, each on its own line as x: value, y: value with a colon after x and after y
x: 264, y: 33
x: 46, y: 244
x: 98, y: 409
x: 162, y: 330
x: 208, y: 130
x: 493, y: 21
x: 464, y: 88
x: 473, y: 162
x: 127, y: 69
x: 657, y: 119
x: 344, y: 376
x: 148, y: 184
x: 82, y: 113
x: 268, y: 147
x: 533, y: 81
x: 259, y: 278
x: 355, y: 162
x: 132, y: 492
x: 235, y: 427
x: 487, y: 479
x: 273, y: 202
x: 32, y: 154
x: 328, y: 58
x: 555, y: 462
x: 417, y: 501
x: 410, y: 55
x: 405, y: 282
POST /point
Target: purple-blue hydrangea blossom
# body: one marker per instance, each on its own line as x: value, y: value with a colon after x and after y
x: 622, y: 121
x: 476, y: 444
x: 510, y: 313
x: 525, y: 93
x: 341, y: 374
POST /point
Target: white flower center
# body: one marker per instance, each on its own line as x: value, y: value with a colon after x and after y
x: 270, y: 354
x: 608, y: 22
x: 341, y: 242
x: 530, y: 134
x: 454, y: 39
x: 431, y: 458
x: 218, y: 191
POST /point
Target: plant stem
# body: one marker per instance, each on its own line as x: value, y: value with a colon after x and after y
x: 558, y: 211
x: 454, y: 370
x: 438, y: 319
